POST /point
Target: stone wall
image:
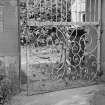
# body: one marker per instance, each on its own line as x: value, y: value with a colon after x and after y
x: 9, y: 49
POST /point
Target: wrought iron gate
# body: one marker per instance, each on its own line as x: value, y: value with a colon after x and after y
x: 62, y: 41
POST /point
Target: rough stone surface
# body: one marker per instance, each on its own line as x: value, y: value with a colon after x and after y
x: 77, y: 96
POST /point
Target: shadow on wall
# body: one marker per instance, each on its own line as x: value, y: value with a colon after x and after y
x: 9, y: 69
x: 23, y: 77
x: 9, y: 78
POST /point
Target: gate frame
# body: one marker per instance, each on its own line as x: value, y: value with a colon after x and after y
x: 99, y: 31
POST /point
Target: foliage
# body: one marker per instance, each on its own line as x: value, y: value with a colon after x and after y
x: 5, y: 90
x: 42, y: 11
x: 8, y: 88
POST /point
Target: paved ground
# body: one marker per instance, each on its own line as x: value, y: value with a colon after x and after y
x: 78, y: 96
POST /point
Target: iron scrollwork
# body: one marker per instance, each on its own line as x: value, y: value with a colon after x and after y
x: 66, y: 49
x: 57, y: 52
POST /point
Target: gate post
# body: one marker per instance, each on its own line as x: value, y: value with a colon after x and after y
x: 99, y: 36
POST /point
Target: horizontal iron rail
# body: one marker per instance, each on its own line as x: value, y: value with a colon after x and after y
x: 36, y: 23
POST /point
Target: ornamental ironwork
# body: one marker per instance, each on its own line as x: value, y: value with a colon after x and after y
x: 61, y: 39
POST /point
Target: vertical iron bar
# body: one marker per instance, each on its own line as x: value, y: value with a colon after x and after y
x: 99, y: 35
x: 35, y: 2
x: 27, y: 69
x: 95, y: 11
x: 40, y: 10
x: 51, y: 11
x: 76, y: 11
x: 3, y: 18
x: 34, y: 9
x: 80, y: 11
x: 85, y: 10
x: 19, y: 45
x: 90, y: 11
x: 99, y: 10
x: 45, y: 10
x: 66, y: 10
x: 61, y: 10
x: 56, y: 9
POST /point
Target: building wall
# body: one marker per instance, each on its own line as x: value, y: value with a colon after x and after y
x: 9, y: 52
x: 9, y: 36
